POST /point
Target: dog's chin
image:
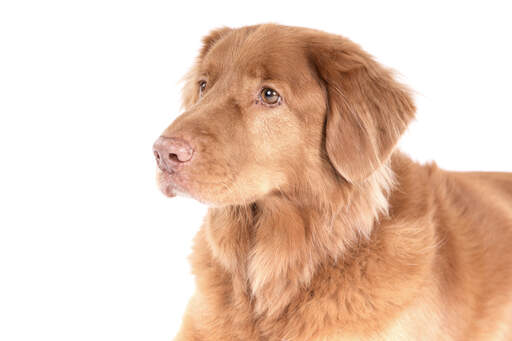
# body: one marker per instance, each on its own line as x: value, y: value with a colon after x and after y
x: 169, y: 186
x: 165, y: 184
x: 174, y: 184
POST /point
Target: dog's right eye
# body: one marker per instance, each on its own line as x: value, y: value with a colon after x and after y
x: 270, y: 96
x: 202, y: 87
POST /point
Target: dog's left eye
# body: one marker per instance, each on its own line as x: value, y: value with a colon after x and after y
x: 270, y: 96
x: 202, y: 87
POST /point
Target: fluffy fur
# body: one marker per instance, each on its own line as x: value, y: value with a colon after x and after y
x: 318, y: 228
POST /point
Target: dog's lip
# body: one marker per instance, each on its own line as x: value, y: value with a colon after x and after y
x: 166, y: 184
x: 169, y: 191
x: 170, y: 184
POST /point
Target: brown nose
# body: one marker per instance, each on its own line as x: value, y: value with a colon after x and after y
x: 171, y: 152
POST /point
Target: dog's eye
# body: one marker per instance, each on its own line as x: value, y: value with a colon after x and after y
x: 202, y: 87
x: 270, y: 96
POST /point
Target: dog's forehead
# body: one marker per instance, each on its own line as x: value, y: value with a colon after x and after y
x: 267, y: 52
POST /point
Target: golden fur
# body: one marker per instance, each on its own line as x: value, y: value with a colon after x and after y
x: 318, y: 228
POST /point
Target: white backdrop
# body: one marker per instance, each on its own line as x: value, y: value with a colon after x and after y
x: 89, y: 248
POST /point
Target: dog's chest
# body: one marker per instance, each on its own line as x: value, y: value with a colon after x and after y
x: 419, y: 323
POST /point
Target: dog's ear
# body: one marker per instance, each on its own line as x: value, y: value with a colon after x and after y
x: 190, y: 92
x: 210, y: 40
x: 367, y: 109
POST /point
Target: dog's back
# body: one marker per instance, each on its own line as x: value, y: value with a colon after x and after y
x: 475, y: 227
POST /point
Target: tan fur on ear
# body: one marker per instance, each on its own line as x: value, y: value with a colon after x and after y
x: 367, y: 109
x: 212, y: 38
x: 190, y: 90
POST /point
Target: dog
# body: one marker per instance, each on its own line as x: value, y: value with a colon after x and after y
x: 318, y: 228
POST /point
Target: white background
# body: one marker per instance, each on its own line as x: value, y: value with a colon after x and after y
x: 89, y: 248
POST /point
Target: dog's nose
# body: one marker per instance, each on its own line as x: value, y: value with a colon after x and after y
x: 171, y: 152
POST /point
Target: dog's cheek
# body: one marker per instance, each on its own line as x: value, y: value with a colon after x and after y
x: 275, y: 135
x: 274, y: 142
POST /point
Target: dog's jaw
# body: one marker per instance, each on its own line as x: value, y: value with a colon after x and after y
x: 165, y: 184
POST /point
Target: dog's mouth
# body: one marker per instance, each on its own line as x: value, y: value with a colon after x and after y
x: 173, y: 184
x: 169, y: 184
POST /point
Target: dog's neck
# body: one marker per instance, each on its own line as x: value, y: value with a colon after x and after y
x: 274, y: 246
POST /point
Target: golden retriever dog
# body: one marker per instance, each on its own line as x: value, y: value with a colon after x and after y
x: 318, y: 228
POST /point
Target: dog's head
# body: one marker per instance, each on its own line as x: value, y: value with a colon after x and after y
x: 272, y: 108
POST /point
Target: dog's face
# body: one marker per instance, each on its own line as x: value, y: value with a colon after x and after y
x: 268, y: 108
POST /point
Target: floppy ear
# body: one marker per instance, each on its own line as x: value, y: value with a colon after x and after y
x: 190, y: 91
x: 210, y: 40
x: 367, y: 109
